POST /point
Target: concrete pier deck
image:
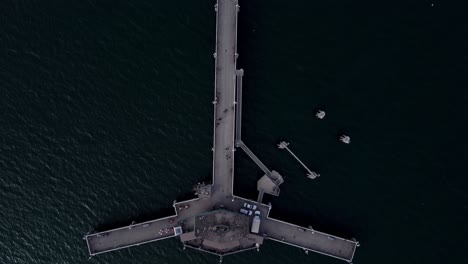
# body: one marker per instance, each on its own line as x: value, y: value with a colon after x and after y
x: 132, y: 235
x: 225, y: 96
x: 308, y: 239
x: 141, y: 233
x: 253, y: 157
x: 212, y: 222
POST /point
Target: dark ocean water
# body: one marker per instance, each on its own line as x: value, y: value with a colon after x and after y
x: 105, y: 118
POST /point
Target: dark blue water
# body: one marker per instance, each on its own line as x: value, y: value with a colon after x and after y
x: 105, y: 118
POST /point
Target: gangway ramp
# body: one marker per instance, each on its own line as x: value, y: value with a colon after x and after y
x: 253, y: 157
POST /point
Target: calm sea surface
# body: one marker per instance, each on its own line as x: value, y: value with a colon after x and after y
x: 106, y: 118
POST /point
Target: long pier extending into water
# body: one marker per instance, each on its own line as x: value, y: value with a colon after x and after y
x: 212, y: 222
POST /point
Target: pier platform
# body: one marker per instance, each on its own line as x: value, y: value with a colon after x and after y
x: 132, y: 235
x: 308, y: 239
x: 213, y: 222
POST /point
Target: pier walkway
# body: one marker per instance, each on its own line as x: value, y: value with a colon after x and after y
x: 253, y: 157
x: 212, y: 222
x: 141, y: 233
x: 308, y: 239
x: 225, y: 88
x: 132, y: 235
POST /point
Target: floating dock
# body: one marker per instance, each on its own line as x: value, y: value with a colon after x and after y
x: 212, y: 222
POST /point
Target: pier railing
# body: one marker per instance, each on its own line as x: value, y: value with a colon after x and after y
x: 215, y: 97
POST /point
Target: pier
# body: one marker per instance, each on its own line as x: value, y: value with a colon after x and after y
x: 212, y: 222
x: 253, y: 157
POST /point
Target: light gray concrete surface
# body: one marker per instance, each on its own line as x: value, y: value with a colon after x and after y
x: 253, y: 157
x: 308, y: 239
x: 265, y: 184
x: 225, y: 88
x: 131, y: 235
x: 141, y: 233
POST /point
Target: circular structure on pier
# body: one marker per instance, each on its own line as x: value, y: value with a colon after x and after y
x: 221, y: 232
x: 221, y: 226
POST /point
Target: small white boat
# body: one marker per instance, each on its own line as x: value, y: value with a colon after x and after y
x: 345, y: 139
x: 320, y: 114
